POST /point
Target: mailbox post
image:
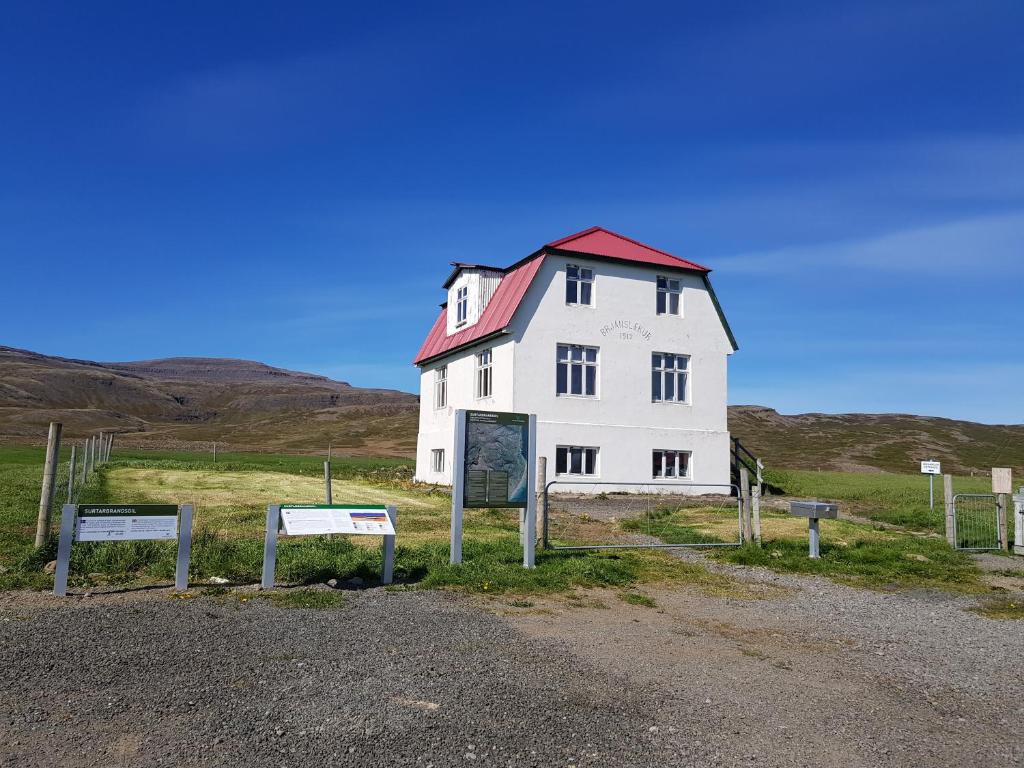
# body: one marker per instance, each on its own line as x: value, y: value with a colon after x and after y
x: 813, y: 511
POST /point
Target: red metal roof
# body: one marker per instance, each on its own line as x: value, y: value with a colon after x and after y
x: 505, y: 301
x: 602, y: 242
x: 496, y: 317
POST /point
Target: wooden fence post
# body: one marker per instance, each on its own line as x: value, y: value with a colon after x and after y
x: 542, y: 480
x: 745, y: 513
x: 49, y: 481
x: 327, y: 482
x: 71, y: 477
x: 1001, y: 521
x: 947, y: 492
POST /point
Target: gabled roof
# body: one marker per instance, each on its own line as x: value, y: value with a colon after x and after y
x: 496, y: 317
x: 602, y: 242
x: 595, y: 242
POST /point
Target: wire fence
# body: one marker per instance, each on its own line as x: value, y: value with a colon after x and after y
x: 976, y: 521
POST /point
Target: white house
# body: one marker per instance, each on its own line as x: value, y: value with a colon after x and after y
x: 620, y: 349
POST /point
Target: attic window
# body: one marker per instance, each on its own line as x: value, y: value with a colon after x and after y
x: 579, y: 285
x: 461, y: 305
x: 669, y: 296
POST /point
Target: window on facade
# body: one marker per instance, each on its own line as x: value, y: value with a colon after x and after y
x: 579, y: 285
x: 576, y: 372
x: 461, y: 305
x: 484, y: 380
x: 437, y: 459
x: 672, y: 464
x: 575, y: 460
x: 441, y: 387
x: 670, y: 298
x: 669, y: 374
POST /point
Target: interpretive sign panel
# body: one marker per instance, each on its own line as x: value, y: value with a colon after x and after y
x: 497, y: 459
x: 494, y: 467
x: 311, y: 519
x: 126, y: 522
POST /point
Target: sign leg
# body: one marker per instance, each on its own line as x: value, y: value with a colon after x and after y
x: 270, y: 546
x: 815, y: 543
x: 387, y: 570
x: 458, y: 486
x: 184, y: 547
x: 530, y: 520
x: 67, y: 532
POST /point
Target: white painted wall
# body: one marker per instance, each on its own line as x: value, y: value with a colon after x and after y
x: 621, y: 421
x: 481, y: 284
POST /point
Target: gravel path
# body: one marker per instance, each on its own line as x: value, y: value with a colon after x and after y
x: 389, y: 679
x: 794, y: 671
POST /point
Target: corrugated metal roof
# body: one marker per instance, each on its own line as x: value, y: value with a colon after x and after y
x: 602, y: 242
x: 496, y: 317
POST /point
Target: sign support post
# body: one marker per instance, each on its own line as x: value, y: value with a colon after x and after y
x: 530, y: 529
x: 458, y: 487
x: 931, y: 468
x: 184, y: 547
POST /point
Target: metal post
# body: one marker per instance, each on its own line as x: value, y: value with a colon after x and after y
x: 542, y: 480
x: 1001, y: 520
x: 327, y: 482
x: 756, y: 500
x: 184, y: 547
x: 100, y: 443
x: 387, y: 568
x: 67, y: 531
x: 530, y: 529
x: 458, y: 486
x: 94, y: 451
x: 931, y: 492
x: 270, y: 546
x: 49, y: 481
x: 71, y: 477
x: 814, y: 538
x: 947, y: 491
x: 1018, y: 522
x: 110, y: 445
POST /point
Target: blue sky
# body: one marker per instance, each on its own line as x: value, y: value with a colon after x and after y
x: 288, y: 182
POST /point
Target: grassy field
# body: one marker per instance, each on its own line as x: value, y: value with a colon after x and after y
x: 231, y: 496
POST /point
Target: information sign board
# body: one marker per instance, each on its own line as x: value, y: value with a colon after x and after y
x: 931, y: 468
x: 311, y: 519
x: 497, y: 459
x: 127, y: 522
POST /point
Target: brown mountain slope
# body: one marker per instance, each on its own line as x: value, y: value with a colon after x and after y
x: 180, y: 402
x: 890, y: 442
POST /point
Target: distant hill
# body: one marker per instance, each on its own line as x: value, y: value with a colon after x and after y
x: 187, y: 401
x: 891, y: 442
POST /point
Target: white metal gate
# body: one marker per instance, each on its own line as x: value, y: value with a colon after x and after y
x: 976, y: 522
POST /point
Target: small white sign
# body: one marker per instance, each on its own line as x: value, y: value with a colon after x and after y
x: 143, y: 522
x: 931, y: 468
x: 318, y: 519
x: 1002, y: 480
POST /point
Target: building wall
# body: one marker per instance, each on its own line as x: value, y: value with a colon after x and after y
x: 621, y: 421
x: 437, y: 425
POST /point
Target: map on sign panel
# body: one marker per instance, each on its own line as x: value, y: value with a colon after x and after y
x: 497, y: 447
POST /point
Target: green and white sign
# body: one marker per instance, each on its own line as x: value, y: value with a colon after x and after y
x: 127, y: 522
x: 497, y: 459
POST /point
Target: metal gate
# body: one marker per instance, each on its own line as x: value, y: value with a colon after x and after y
x: 648, y: 509
x: 976, y: 521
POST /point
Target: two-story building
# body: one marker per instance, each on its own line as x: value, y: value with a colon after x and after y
x: 620, y: 350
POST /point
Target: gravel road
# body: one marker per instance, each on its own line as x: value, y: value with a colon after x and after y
x: 799, y: 671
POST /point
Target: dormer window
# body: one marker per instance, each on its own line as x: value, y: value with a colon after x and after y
x: 579, y: 285
x: 461, y: 305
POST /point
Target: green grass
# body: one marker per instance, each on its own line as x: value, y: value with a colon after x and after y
x: 897, y: 499
x: 1002, y: 608
x: 897, y: 562
x: 635, y: 598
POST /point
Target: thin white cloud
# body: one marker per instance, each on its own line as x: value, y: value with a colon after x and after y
x: 992, y: 243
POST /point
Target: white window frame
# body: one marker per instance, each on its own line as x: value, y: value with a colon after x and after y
x: 581, y: 451
x: 669, y: 460
x: 588, y: 359
x: 484, y: 373
x: 662, y: 375
x: 576, y: 277
x: 666, y: 293
x: 437, y: 460
x: 441, y: 387
x: 461, y: 305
